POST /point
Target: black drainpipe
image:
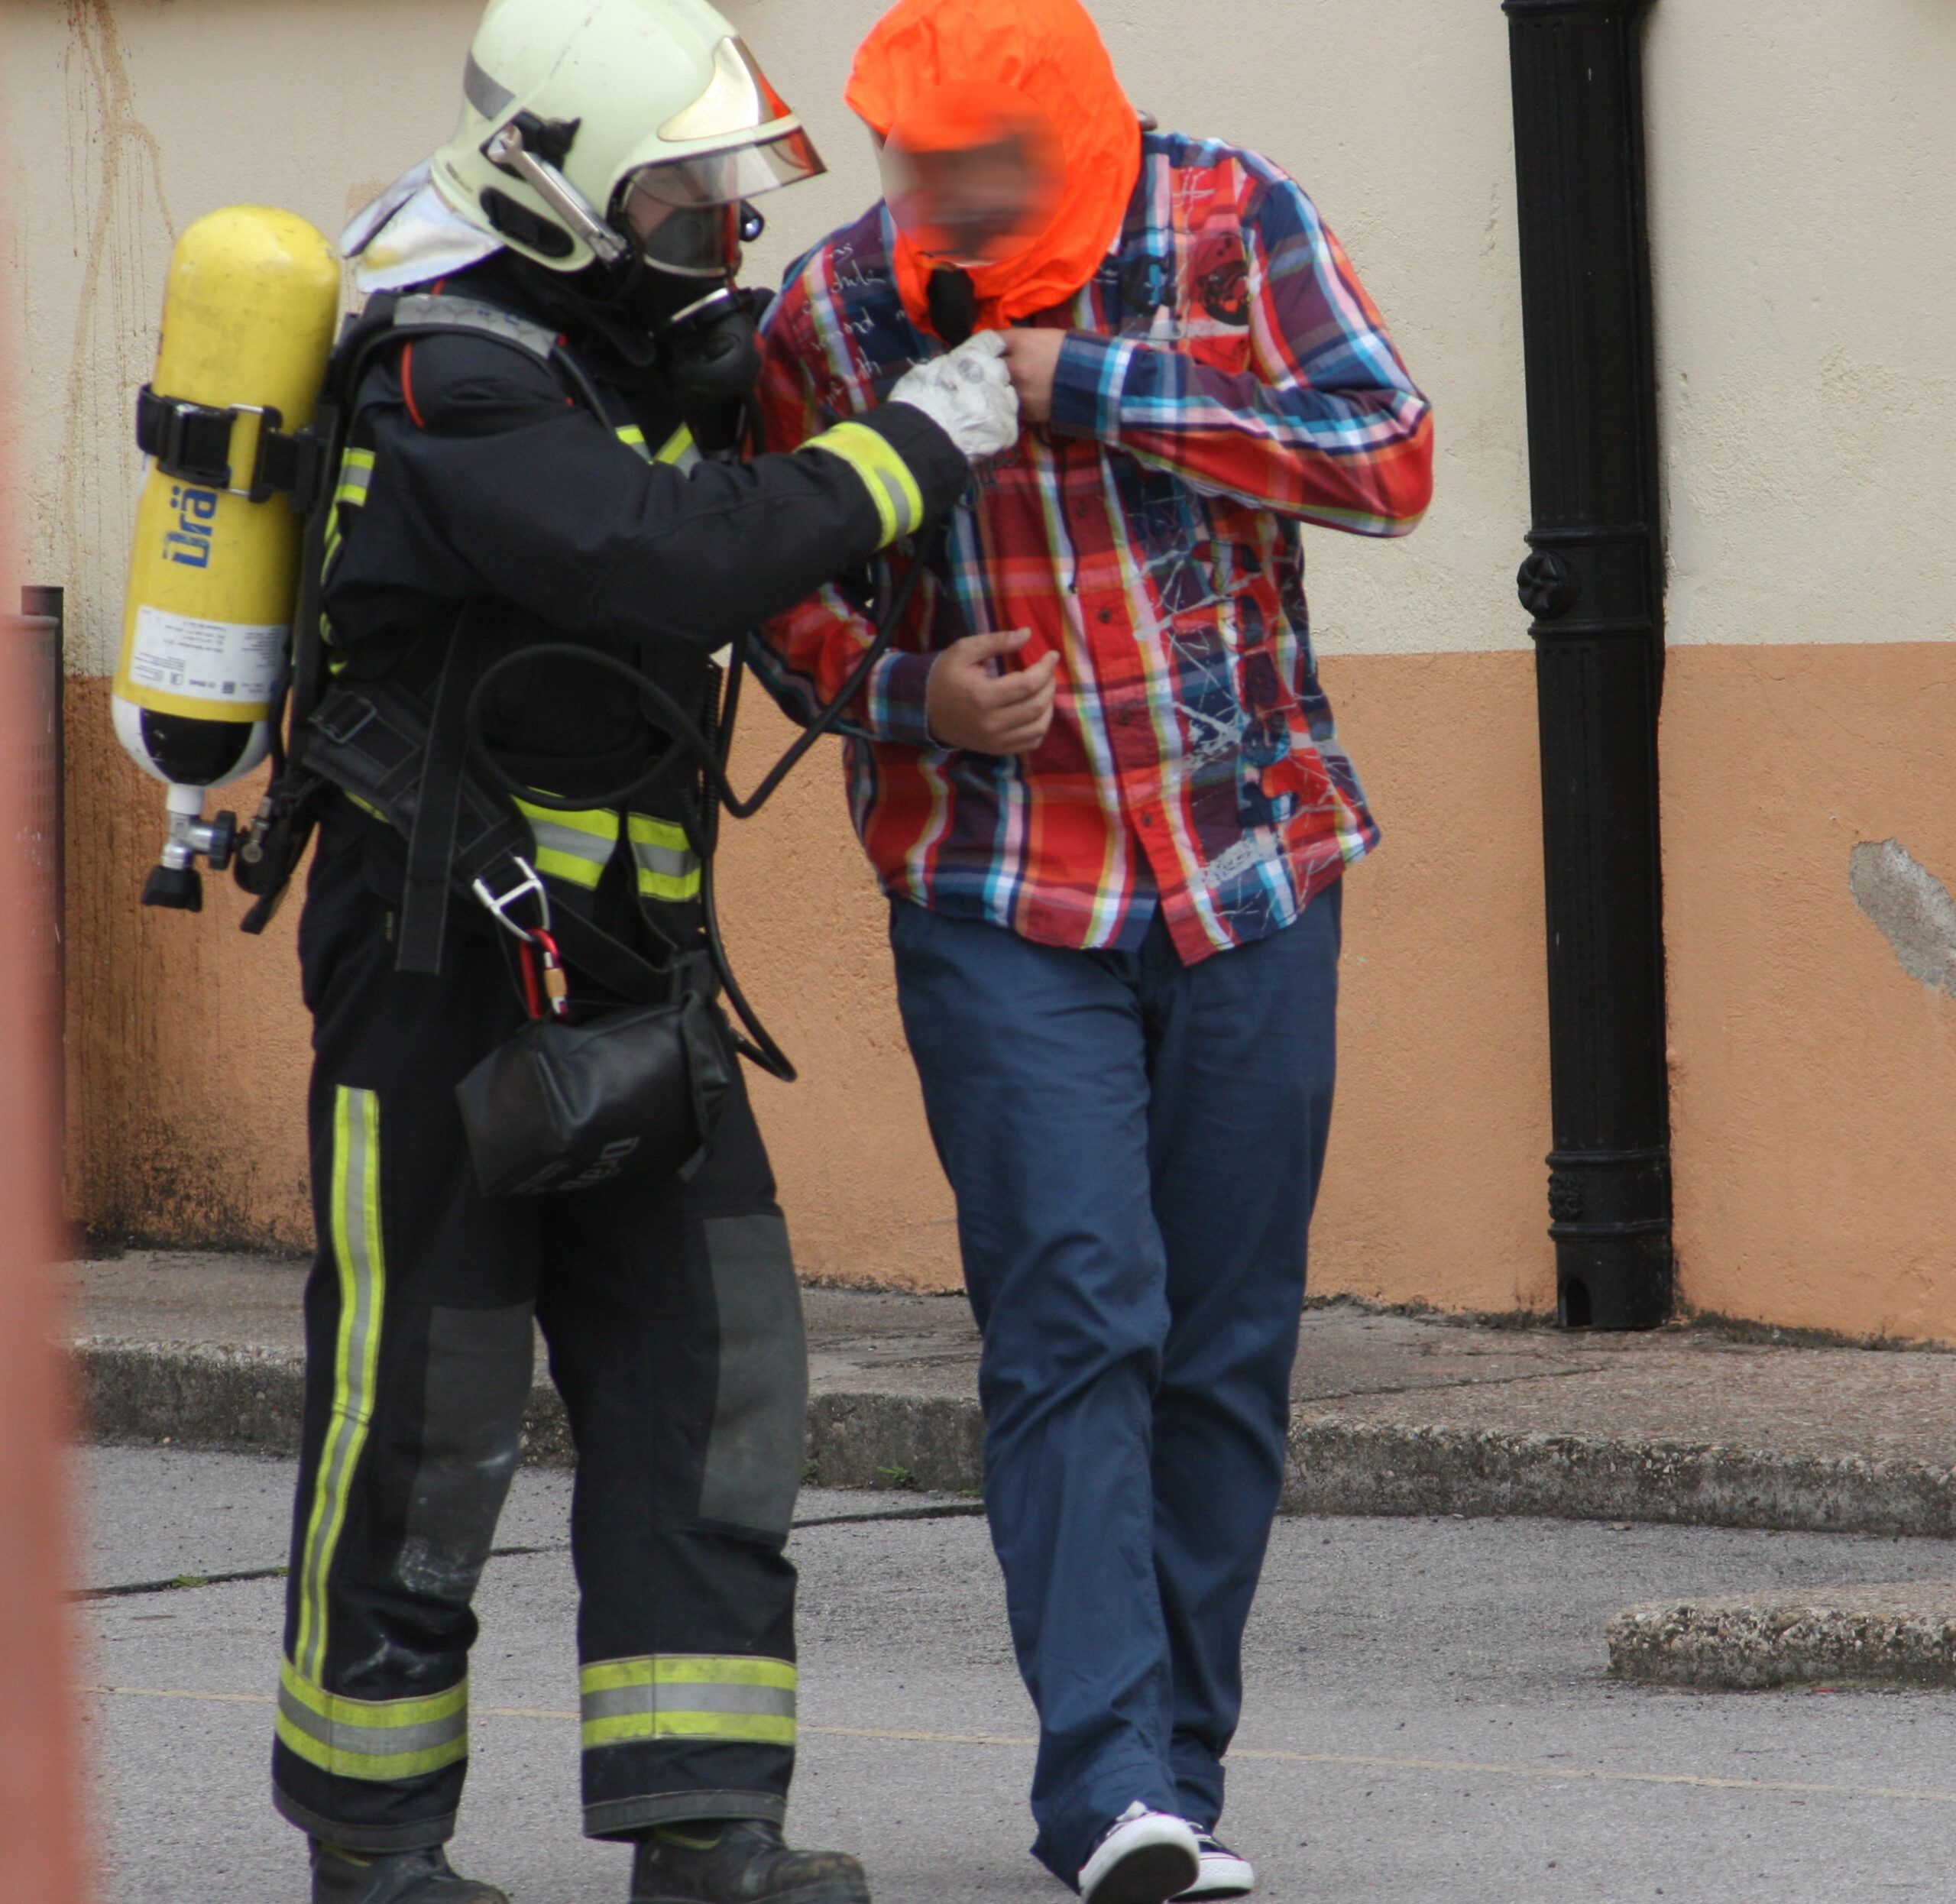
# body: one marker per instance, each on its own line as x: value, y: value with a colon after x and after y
x: 1595, y: 587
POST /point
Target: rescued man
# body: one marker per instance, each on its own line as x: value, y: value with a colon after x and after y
x: 1101, y: 786
x: 528, y: 467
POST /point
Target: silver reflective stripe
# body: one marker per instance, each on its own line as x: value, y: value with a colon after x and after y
x: 380, y: 1742
x: 482, y: 92
x: 471, y: 314
x: 675, y: 864
x: 688, y: 1696
x: 551, y: 837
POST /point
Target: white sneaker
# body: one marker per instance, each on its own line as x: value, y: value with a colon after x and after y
x: 1146, y: 1857
x: 1224, y: 1874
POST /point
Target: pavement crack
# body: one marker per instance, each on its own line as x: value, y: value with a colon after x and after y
x: 188, y: 1582
x: 956, y: 1510
x: 180, y: 1583
x: 1438, y: 1387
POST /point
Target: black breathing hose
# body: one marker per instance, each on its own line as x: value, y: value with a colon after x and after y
x: 709, y: 750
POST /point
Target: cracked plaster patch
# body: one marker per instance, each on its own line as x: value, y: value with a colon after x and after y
x: 1912, y: 908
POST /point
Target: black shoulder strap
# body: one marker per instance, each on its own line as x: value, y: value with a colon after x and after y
x: 476, y: 645
x: 441, y: 310
x: 267, y: 865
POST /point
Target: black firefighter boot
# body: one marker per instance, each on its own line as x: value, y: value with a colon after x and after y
x: 393, y: 1877
x: 739, y: 1861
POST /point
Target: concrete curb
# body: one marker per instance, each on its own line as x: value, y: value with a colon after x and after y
x: 195, y: 1395
x: 251, y: 1401
x: 1354, y: 1466
x: 1896, y: 1635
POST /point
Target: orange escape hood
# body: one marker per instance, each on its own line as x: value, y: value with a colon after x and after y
x: 1051, y: 52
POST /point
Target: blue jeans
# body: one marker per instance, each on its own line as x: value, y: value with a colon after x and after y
x: 1135, y: 1146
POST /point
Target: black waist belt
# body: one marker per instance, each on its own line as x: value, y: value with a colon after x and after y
x: 380, y: 744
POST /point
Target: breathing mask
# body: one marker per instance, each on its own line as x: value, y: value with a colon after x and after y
x: 671, y: 244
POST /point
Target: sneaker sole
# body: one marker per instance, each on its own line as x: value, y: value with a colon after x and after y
x: 822, y: 1892
x: 1149, y: 1874
x: 826, y: 1891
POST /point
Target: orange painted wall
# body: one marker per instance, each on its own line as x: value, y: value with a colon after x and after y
x: 1813, y: 1080
x: 188, y: 1043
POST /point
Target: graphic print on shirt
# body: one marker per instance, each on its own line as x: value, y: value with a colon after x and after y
x: 1229, y: 382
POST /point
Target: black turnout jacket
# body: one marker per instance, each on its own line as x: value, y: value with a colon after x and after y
x: 491, y: 481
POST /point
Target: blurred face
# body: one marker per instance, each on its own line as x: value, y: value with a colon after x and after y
x: 973, y: 174
x: 978, y: 202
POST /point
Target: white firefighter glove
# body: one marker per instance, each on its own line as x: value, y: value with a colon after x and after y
x: 968, y: 395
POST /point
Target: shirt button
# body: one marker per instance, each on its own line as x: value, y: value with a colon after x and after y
x: 1148, y: 819
x: 1107, y: 614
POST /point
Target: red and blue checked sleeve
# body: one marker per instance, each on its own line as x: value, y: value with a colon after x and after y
x: 805, y: 656
x: 1327, y: 427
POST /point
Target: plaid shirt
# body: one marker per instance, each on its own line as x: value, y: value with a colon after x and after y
x: 1226, y: 379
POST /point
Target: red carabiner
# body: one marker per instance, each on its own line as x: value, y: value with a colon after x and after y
x: 532, y: 987
x: 555, y: 985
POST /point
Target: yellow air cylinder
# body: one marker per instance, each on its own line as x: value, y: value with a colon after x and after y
x: 248, y: 319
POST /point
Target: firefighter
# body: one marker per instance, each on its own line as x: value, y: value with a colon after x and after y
x: 590, y: 208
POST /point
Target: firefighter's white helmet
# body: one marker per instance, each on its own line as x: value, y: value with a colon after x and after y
x: 590, y: 127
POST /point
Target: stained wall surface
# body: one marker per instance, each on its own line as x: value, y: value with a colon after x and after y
x: 1800, y: 159
x: 188, y: 1046
x: 1805, y: 274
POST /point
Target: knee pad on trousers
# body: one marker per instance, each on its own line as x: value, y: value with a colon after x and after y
x: 752, y: 1470
x: 480, y: 1365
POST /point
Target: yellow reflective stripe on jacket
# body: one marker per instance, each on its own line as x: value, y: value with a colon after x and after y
x: 577, y: 847
x: 362, y: 1262
x: 667, y: 867
x: 885, y: 475
x: 677, y: 448
x: 373, y: 1739
x: 356, y: 483
x: 689, y: 1695
x: 574, y: 847
x: 356, y: 477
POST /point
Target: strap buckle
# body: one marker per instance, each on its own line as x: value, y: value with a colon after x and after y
x: 529, y: 887
x: 194, y: 442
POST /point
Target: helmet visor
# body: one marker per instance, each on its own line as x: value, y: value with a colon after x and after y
x: 724, y: 178
x: 703, y: 243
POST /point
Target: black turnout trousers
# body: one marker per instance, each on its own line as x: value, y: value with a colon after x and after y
x: 673, y: 1323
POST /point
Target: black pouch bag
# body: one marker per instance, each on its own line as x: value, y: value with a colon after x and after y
x: 630, y: 1091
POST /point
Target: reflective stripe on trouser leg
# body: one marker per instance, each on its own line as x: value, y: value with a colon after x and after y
x: 696, y: 1696
x: 375, y: 1739
x: 383, y: 1745
x: 361, y: 1263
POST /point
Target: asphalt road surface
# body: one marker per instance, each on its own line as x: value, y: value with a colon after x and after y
x: 1428, y: 1719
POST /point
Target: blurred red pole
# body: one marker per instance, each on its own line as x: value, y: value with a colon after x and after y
x: 41, y: 1853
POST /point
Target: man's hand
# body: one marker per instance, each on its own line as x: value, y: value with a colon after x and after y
x: 971, y: 707
x: 1033, y: 359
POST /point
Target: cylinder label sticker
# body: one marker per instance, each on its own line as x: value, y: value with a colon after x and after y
x: 237, y: 665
